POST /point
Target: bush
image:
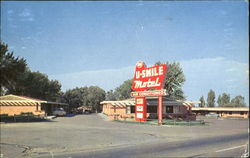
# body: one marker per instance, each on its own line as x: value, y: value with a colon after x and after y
x: 23, y: 117
x: 6, y: 117
x: 27, y: 114
x: 3, y: 115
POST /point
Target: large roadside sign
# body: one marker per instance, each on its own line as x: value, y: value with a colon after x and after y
x: 148, y: 81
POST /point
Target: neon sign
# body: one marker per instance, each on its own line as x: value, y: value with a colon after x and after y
x: 148, y: 78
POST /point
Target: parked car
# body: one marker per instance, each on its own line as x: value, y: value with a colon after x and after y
x: 86, y: 112
x: 83, y: 110
x: 212, y: 115
x: 59, y: 112
x: 78, y: 111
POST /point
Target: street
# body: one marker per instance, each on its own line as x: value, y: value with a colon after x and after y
x: 93, y: 136
x: 190, y: 148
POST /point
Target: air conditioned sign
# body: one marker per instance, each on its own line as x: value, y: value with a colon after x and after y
x: 148, y: 78
x: 161, y: 92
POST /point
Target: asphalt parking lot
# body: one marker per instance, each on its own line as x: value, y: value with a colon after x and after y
x: 92, y: 132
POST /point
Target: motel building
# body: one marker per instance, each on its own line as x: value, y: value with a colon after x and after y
x: 172, y: 109
x: 125, y: 109
x: 15, y: 105
x: 226, y: 112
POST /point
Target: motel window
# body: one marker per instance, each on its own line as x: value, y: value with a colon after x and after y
x: 230, y: 113
x: 152, y: 109
x: 128, y: 110
x: 132, y: 108
x: 36, y: 107
x: 241, y: 113
x: 42, y: 107
x: 169, y: 109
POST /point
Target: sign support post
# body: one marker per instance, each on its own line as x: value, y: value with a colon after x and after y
x: 160, y: 110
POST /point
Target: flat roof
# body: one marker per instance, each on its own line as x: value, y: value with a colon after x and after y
x: 150, y: 103
x: 220, y: 108
x: 23, y: 100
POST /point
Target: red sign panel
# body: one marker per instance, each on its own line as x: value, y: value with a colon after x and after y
x: 148, y: 78
x: 141, y: 109
x: 161, y: 92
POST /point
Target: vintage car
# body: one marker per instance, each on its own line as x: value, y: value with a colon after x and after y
x: 211, y: 114
x: 59, y: 112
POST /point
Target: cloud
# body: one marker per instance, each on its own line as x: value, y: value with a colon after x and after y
x: 12, y: 47
x: 10, y: 19
x: 10, y: 11
x: 106, y: 79
x: 219, y: 74
x: 231, y: 80
x: 26, y: 38
x: 28, y: 19
x: 223, y: 12
x: 10, y: 15
x: 26, y: 15
x: 231, y: 70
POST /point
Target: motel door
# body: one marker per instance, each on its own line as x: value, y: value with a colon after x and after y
x: 169, y: 109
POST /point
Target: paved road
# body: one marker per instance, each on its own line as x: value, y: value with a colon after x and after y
x: 90, y: 132
x: 226, y: 146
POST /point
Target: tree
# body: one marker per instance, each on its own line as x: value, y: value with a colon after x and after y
x: 202, y: 104
x: 219, y: 100
x: 36, y: 85
x: 124, y: 90
x: 111, y: 95
x: 211, y: 98
x: 174, y: 80
x: 225, y: 99
x: 94, y: 97
x: 10, y: 68
x: 238, y: 101
x: 84, y: 96
x: 76, y: 97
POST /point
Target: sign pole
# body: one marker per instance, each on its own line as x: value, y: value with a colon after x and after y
x: 159, y: 110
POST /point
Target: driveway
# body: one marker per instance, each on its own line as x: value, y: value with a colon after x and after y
x: 92, y: 132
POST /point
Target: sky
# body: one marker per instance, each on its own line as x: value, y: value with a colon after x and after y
x: 98, y: 43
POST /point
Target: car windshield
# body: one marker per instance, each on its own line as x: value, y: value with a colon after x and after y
x: 59, y: 109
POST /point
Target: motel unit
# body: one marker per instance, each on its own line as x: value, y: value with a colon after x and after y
x: 125, y: 109
x: 241, y: 112
x: 15, y: 105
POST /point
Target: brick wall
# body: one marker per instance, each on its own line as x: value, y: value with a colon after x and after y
x: 16, y: 110
x: 235, y: 114
x: 117, y: 112
x: 120, y: 113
